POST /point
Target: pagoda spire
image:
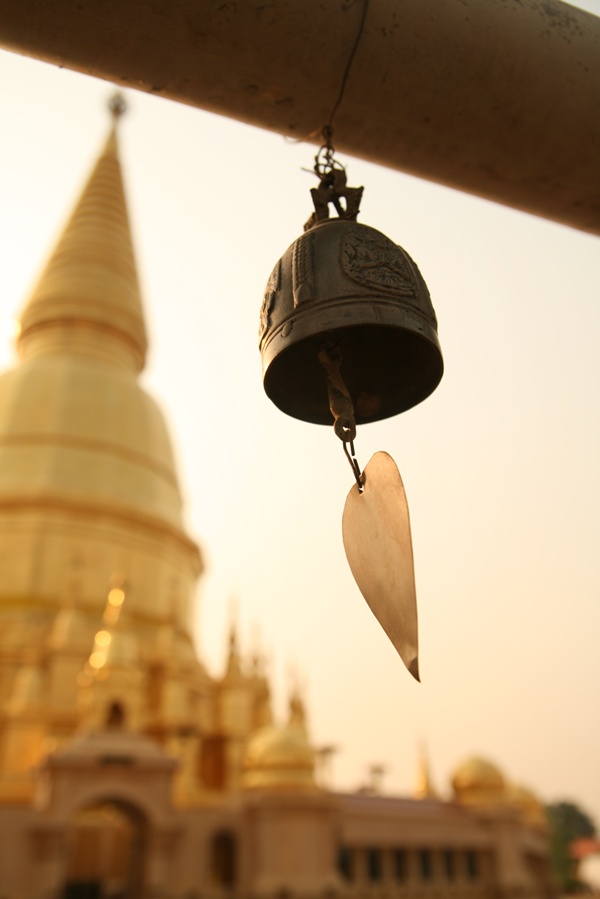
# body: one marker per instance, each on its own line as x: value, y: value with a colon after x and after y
x: 87, y: 300
x: 234, y: 663
x: 297, y: 713
x: 424, y: 788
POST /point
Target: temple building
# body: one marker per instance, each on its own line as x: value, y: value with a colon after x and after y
x: 126, y: 770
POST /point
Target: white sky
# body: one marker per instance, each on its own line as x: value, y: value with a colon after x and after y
x: 501, y: 464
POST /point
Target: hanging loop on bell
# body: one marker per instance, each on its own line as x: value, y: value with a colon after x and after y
x: 340, y: 401
x: 325, y: 161
x: 333, y: 187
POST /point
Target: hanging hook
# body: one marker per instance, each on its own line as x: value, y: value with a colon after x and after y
x: 333, y: 186
x: 351, y: 457
x: 325, y: 161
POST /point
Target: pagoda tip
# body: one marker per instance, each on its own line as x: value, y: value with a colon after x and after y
x: 117, y: 105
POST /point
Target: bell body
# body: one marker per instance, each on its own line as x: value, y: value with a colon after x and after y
x: 343, y: 283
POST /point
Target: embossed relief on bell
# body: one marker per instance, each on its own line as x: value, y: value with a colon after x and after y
x: 373, y: 260
x: 273, y: 285
x: 423, y: 297
x: 303, y: 269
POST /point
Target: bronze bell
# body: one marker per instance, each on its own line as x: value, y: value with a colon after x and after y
x: 345, y: 286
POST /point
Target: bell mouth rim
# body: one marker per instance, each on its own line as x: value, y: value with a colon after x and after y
x: 285, y: 352
x: 383, y: 312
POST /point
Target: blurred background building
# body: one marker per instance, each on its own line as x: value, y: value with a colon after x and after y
x: 126, y: 769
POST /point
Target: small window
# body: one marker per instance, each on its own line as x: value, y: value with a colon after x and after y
x: 426, y: 864
x: 346, y: 863
x: 85, y: 890
x: 374, y: 865
x: 212, y: 763
x: 400, y: 865
x: 449, y: 864
x: 223, y: 859
x: 472, y: 865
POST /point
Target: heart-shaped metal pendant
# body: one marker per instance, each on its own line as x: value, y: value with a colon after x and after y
x: 377, y: 540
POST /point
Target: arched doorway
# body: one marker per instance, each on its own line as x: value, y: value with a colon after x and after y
x: 107, y: 852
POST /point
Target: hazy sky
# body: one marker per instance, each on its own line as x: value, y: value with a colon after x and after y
x: 501, y: 465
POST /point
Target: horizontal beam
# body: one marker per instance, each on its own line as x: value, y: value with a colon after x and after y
x: 499, y: 98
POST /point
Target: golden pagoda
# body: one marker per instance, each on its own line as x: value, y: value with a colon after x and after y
x: 87, y: 473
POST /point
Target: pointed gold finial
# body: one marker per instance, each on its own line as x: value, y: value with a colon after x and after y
x: 424, y: 788
x: 89, y: 286
x: 233, y: 667
x: 297, y: 706
x: 115, y: 599
x: 256, y: 656
x: 117, y: 105
x: 111, y: 643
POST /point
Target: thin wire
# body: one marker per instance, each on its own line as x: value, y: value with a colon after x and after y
x: 348, y: 65
x: 340, y: 97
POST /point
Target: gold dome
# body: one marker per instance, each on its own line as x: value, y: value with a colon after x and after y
x: 478, y: 781
x: 279, y: 758
x: 531, y: 810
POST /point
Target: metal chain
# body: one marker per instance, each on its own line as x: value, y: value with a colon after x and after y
x: 340, y: 403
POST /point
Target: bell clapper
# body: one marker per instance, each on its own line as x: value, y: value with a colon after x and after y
x: 340, y: 402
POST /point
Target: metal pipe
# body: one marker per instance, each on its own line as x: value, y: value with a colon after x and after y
x: 500, y: 98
